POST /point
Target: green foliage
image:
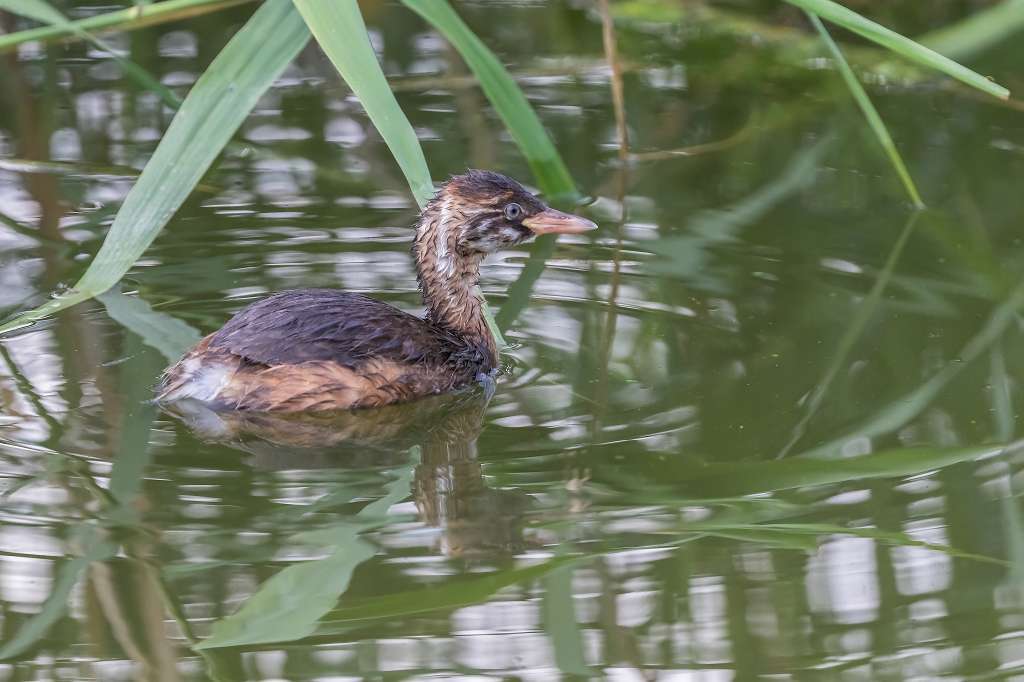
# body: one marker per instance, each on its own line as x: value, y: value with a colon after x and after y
x: 901, y: 45
x: 339, y: 28
x: 169, y: 335
x: 289, y: 605
x: 53, y: 609
x: 561, y: 623
x: 870, y: 113
x: 506, y: 97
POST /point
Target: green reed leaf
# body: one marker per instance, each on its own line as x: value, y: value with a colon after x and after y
x: 209, y: 116
x: 57, y: 604
x: 901, y: 45
x: 868, y: 109
x: 561, y: 624
x: 506, y: 97
x: 339, y: 28
x: 289, y: 605
x: 53, y: 609
x: 807, y: 536
x: 169, y: 335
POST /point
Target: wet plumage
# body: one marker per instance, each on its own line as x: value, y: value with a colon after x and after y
x: 324, y: 349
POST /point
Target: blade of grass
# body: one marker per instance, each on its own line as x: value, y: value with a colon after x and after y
x: 44, y: 13
x: 209, y: 116
x: 339, y: 29
x: 169, y: 335
x: 901, y: 45
x: 53, y: 609
x: 869, y: 111
x: 505, y: 95
x: 56, y: 604
x: 288, y: 606
x: 563, y: 630
x: 126, y: 19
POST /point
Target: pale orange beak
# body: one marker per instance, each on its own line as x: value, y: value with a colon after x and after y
x: 550, y: 221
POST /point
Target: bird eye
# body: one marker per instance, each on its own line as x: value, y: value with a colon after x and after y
x: 513, y: 211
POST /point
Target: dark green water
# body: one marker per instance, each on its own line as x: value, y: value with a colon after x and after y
x: 760, y: 424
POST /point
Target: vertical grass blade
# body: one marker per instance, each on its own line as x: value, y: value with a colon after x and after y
x: 560, y: 622
x: 56, y: 605
x: 505, y: 95
x: 209, y: 116
x: 338, y: 27
x: 869, y: 111
x: 901, y: 45
x: 54, y: 608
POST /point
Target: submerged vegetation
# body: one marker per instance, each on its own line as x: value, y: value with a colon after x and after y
x: 778, y: 498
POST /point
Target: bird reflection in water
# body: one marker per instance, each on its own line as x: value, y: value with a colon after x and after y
x: 449, y: 489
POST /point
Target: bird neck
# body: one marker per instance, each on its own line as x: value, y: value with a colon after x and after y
x: 448, y: 278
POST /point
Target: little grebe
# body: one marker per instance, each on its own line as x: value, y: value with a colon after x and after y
x: 322, y: 349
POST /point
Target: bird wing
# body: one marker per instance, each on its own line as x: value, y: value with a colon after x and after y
x: 325, y: 324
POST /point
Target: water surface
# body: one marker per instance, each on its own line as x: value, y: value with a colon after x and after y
x: 763, y: 423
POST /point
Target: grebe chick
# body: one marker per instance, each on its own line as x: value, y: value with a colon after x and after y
x: 323, y: 349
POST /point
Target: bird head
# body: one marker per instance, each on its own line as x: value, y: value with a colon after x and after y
x: 481, y: 212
